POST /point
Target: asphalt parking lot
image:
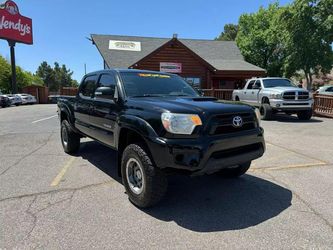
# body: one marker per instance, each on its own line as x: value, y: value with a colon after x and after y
x: 52, y: 200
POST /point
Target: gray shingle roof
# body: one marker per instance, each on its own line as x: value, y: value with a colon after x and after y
x: 221, y: 55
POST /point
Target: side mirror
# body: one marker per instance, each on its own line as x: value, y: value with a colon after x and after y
x: 200, y: 92
x: 105, y: 93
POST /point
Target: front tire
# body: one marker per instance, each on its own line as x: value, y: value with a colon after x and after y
x: 304, y: 115
x: 69, y: 139
x: 266, y: 111
x: 236, y: 171
x: 145, y: 184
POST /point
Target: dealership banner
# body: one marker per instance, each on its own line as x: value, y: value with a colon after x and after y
x: 13, y: 26
x: 170, y: 67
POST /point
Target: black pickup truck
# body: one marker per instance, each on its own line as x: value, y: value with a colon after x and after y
x: 159, y: 125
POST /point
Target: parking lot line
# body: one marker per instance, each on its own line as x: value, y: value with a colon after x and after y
x: 293, y: 166
x: 62, y: 172
x: 47, y: 118
x: 299, y: 153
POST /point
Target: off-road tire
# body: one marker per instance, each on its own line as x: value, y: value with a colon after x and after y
x: 235, y: 172
x: 155, y: 182
x: 304, y: 115
x: 266, y: 111
x: 71, y: 144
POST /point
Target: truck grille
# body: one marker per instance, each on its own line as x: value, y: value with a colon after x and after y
x: 296, y: 95
x: 222, y: 124
x: 303, y: 95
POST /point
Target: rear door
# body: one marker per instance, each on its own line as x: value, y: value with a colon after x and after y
x: 83, y: 105
x: 105, y: 110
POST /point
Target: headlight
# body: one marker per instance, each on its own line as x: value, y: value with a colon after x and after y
x: 276, y: 96
x: 258, y: 115
x: 180, y: 123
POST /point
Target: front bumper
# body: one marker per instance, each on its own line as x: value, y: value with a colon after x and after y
x: 208, y: 154
x: 280, y: 104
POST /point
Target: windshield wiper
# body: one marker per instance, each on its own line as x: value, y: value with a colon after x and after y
x: 179, y: 95
x: 148, y: 95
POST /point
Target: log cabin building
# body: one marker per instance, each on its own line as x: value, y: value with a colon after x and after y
x: 206, y: 64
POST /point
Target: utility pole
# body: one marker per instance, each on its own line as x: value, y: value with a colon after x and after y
x: 85, y: 69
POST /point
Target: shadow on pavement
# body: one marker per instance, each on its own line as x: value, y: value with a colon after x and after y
x: 102, y: 157
x: 293, y: 119
x: 205, y: 203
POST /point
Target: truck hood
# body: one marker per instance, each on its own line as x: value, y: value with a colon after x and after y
x: 196, y: 105
x: 284, y: 89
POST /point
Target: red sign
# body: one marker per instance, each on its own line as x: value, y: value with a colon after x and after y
x: 13, y: 26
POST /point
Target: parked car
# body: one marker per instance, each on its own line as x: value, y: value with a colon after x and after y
x: 272, y: 95
x: 15, y: 100
x: 27, y: 99
x: 160, y: 125
x: 325, y: 90
x: 4, y: 100
x: 53, y: 98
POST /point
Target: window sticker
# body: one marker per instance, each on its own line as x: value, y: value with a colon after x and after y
x: 153, y: 75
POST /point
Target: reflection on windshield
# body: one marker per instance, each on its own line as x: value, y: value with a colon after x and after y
x: 139, y: 84
x: 271, y: 83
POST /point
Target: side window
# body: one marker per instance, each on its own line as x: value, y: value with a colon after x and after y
x: 250, y: 84
x: 106, y: 86
x: 88, y: 87
x: 257, y: 85
x: 329, y: 89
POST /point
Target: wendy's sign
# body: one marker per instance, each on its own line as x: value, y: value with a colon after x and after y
x: 13, y: 26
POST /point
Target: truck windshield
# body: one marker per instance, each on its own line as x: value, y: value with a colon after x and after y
x: 271, y: 83
x: 141, y: 84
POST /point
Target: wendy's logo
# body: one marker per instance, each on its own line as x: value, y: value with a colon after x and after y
x: 11, y: 7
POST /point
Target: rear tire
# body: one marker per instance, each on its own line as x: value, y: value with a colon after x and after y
x: 145, y: 184
x: 266, y: 111
x: 304, y: 115
x: 69, y: 139
x: 235, y: 172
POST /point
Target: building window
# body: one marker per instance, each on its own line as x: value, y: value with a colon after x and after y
x: 194, y: 81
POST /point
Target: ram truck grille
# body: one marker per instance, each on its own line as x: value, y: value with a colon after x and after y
x: 296, y: 95
x: 223, y: 124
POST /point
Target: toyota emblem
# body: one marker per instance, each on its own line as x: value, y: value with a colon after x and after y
x: 237, y: 121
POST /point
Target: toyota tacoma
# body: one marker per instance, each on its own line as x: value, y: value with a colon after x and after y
x: 159, y: 125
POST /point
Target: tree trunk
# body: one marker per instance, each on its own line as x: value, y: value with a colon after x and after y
x: 308, y: 77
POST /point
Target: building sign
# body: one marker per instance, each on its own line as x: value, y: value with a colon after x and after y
x: 170, y: 67
x: 13, y: 26
x: 125, y: 45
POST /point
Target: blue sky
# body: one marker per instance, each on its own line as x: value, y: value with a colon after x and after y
x: 60, y: 26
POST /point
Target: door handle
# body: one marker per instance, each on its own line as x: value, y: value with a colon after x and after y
x: 252, y: 92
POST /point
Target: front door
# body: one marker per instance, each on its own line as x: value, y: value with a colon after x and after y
x: 254, y: 93
x: 105, y: 111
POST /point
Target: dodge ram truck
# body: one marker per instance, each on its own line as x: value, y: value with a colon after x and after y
x: 159, y: 125
x: 272, y: 95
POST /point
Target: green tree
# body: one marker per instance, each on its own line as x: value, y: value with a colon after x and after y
x: 258, y: 38
x: 308, y: 35
x: 46, y: 73
x: 23, y: 78
x: 229, y: 33
x: 5, y: 73
x: 56, y: 77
